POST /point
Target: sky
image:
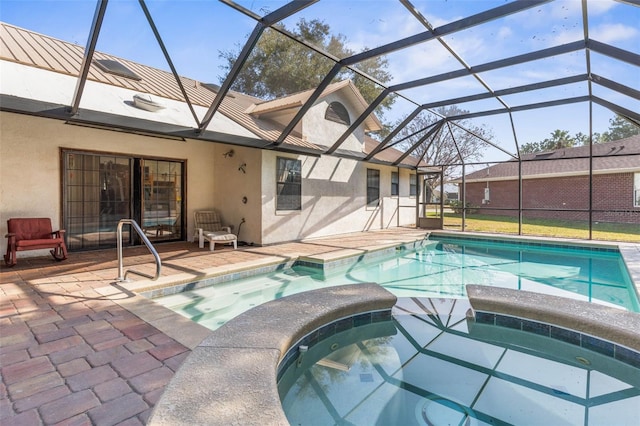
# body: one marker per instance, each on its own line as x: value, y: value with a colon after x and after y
x: 195, y: 32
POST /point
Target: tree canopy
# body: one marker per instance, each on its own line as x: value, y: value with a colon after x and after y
x: 619, y: 128
x: 280, y: 66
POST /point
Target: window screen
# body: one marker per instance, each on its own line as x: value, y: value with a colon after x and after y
x: 288, y: 184
x: 373, y: 187
x: 413, y: 186
x: 338, y: 113
x: 395, y: 183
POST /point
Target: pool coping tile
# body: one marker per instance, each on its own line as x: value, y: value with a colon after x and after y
x: 569, y: 319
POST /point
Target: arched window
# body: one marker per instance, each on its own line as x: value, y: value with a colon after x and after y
x: 338, y: 113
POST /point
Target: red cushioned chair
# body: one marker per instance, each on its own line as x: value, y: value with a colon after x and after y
x: 33, y: 234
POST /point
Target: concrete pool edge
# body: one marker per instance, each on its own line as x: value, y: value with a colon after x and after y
x: 230, y: 378
x: 630, y: 252
x: 607, y: 323
x: 327, y: 261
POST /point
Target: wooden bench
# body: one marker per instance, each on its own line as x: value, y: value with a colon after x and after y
x: 33, y: 234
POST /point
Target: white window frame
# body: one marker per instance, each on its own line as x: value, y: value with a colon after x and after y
x: 636, y: 189
x: 413, y: 185
x: 395, y: 184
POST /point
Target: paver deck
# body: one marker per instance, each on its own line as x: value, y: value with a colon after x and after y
x: 78, y: 348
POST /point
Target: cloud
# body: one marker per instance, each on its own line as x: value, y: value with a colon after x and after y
x: 505, y: 32
x: 609, y: 33
x: 600, y: 7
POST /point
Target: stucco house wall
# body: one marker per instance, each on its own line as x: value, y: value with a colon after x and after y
x: 333, y: 200
x: 30, y: 165
x: 231, y: 186
x: 334, y: 189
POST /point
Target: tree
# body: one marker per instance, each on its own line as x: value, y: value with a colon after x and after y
x: 619, y: 128
x: 583, y: 140
x: 559, y: 139
x: 279, y: 66
x: 447, y: 146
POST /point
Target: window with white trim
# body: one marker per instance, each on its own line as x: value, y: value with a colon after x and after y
x: 395, y: 184
x: 413, y: 185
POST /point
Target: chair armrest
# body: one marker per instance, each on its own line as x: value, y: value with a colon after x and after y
x: 10, y: 234
x: 59, y: 233
x: 226, y: 228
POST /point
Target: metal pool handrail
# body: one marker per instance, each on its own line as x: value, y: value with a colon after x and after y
x: 134, y: 225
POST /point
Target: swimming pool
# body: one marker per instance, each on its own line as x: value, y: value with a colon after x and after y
x: 442, y: 268
x: 434, y: 365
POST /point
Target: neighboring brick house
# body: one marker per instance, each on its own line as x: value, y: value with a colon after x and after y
x: 555, y: 184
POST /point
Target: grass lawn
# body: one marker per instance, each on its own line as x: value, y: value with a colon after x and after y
x: 544, y: 227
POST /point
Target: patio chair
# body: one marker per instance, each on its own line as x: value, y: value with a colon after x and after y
x: 33, y: 234
x: 209, y: 227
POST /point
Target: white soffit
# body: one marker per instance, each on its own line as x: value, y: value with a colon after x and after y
x: 46, y: 86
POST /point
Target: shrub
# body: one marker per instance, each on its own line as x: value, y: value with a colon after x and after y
x: 456, y: 206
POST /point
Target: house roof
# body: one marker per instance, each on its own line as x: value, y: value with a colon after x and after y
x: 297, y: 100
x: 504, y: 61
x: 388, y: 155
x: 618, y: 156
x: 46, y: 53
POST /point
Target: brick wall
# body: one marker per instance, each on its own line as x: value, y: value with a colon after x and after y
x: 613, y: 192
x: 610, y: 192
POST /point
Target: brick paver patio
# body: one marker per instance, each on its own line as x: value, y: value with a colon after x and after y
x: 71, y: 354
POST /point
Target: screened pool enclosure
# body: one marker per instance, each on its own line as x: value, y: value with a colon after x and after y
x: 521, y: 117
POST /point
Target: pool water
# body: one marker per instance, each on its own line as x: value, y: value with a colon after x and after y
x: 431, y: 365
x: 441, y: 269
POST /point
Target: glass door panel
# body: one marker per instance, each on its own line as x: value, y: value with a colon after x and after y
x: 162, y: 201
x: 115, y: 196
x: 97, y: 194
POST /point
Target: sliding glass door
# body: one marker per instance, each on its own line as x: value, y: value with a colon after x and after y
x: 101, y: 189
